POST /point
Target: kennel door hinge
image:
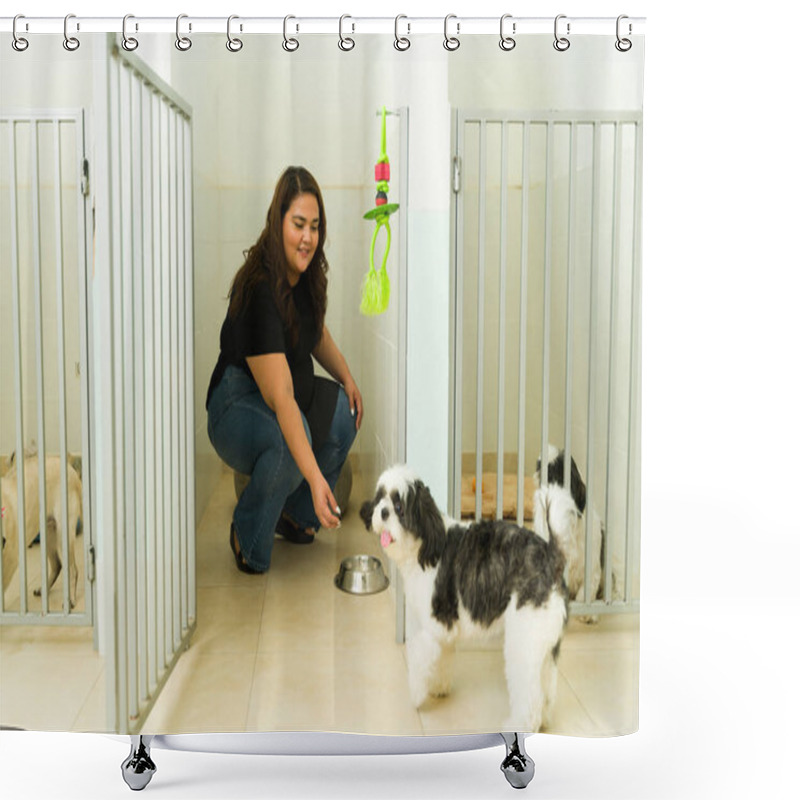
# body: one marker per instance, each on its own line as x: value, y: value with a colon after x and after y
x: 85, y: 178
x: 456, y: 174
x: 91, y: 572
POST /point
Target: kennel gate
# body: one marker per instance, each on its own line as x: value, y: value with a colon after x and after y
x: 144, y: 333
x: 45, y: 178
x: 547, y: 233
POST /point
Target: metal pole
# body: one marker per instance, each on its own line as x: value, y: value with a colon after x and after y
x: 62, y: 358
x: 548, y: 255
x: 41, y: 448
x: 571, y: 227
x: 501, y: 333
x: 588, y: 512
x: 523, y: 330
x: 612, y: 332
x: 481, y: 283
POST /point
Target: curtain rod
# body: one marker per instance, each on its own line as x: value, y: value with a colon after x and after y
x: 349, y: 25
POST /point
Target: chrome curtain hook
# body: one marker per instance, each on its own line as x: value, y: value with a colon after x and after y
x: 561, y: 43
x: 289, y: 44
x: 345, y: 42
x: 183, y: 43
x: 507, y: 42
x: 18, y: 42
x: 71, y: 43
x: 451, y: 42
x: 129, y: 43
x: 623, y: 45
x: 234, y: 45
x: 401, y: 42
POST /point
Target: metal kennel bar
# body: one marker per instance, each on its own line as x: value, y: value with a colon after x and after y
x: 590, y: 440
x: 501, y: 316
x: 481, y: 318
x: 150, y: 451
x: 41, y: 242
x: 548, y: 266
x: 583, y: 170
x: 523, y: 325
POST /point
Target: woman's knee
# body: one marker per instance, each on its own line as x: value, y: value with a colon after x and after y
x: 276, y: 466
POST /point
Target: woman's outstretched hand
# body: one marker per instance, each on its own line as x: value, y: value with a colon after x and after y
x: 325, y: 506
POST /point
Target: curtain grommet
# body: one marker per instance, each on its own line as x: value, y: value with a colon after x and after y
x: 129, y: 43
x: 560, y: 43
x: 451, y: 43
x: 19, y: 43
x: 507, y: 43
x: 182, y: 43
x: 401, y: 43
x: 234, y: 45
x: 623, y: 44
x: 71, y: 43
x: 346, y: 43
x: 289, y: 44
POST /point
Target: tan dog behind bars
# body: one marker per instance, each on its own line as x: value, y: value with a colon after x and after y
x: 54, y: 516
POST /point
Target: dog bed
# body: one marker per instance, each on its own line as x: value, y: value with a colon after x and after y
x: 489, y: 496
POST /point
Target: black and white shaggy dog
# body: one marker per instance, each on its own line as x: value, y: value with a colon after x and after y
x: 566, y: 522
x: 473, y: 580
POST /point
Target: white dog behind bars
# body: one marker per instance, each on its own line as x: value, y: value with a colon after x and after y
x: 567, y: 523
x: 55, y: 517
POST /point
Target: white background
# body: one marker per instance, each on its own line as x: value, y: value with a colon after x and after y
x: 720, y: 526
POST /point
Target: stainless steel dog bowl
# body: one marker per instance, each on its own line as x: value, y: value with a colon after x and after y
x: 361, y: 575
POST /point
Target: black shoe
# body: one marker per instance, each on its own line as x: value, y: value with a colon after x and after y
x: 240, y: 562
x: 292, y: 533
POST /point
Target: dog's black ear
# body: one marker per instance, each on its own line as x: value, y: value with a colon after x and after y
x: 423, y: 518
x: 366, y: 513
x: 577, y: 487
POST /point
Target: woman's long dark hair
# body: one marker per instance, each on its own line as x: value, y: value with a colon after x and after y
x: 266, y: 259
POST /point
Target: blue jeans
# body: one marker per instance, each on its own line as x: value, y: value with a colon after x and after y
x: 245, y: 433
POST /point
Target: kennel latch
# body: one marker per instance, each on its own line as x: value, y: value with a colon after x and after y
x: 456, y: 174
x: 85, y: 177
x: 91, y: 572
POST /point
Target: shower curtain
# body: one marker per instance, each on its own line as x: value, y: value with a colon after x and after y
x: 512, y: 327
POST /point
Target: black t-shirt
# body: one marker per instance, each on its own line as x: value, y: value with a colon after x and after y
x: 258, y: 329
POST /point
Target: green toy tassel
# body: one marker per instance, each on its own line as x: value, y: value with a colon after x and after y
x: 376, y: 289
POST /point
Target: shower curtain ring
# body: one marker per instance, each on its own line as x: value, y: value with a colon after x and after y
x: 401, y: 42
x: 234, y: 45
x: 71, y: 43
x: 183, y: 43
x: 451, y: 42
x: 289, y: 44
x: 561, y: 43
x: 623, y: 45
x: 345, y: 42
x: 129, y: 43
x: 507, y: 42
x: 18, y: 42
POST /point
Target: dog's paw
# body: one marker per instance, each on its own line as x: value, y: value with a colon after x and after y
x: 419, y: 693
x: 590, y: 619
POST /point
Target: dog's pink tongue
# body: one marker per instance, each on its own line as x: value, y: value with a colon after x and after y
x: 386, y: 539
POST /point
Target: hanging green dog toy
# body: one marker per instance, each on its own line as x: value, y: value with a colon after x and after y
x: 375, y: 289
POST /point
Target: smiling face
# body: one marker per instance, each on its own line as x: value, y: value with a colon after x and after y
x: 300, y: 235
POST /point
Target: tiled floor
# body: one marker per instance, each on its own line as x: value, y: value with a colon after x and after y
x: 288, y: 651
